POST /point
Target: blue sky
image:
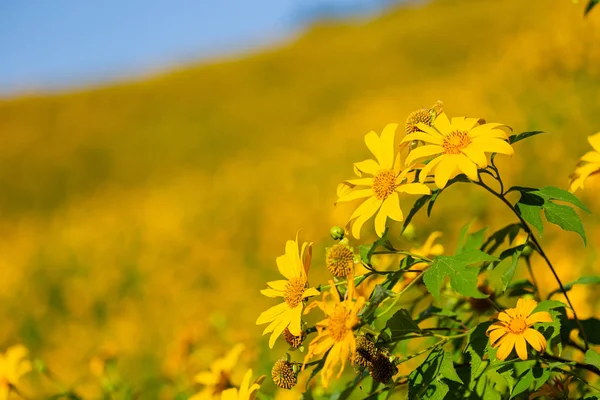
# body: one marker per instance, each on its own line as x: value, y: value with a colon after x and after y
x: 54, y: 44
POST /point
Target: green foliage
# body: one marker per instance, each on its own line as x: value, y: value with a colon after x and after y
x: 590, y: 5
x: 401, y: 326
x: 533, y: 201
x: 463, y: 276
x: 516, y: 138
x: 428, y: 380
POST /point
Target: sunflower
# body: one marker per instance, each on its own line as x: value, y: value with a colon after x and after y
x: 247, y: 390
x: 13, y: 365
x: 588, y: 165
x: 514, y: 330
x: 216, y: 380
x: 459, y: 146
x: 335, y: 333
x: 294, y: 267
x: 382, y: 188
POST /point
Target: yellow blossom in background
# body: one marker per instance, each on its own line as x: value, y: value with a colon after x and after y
x: 247, y: 390
x: 588, y: 165
x: 293, y: 265
x: 381, y: 190
x: 13, y: 365
x: 555, y: 389
x: 514, y: 330
x: 217, y: 378
x: 459, y: 146
x: 335, y: 333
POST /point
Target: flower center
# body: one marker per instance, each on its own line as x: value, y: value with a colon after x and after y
x: 455, y: 142
x: 294, y: 290
x: 414, y: 118
x: 341, y: 322
x: 517, y: 325
x: 339, y: 260
x: 384, y: 184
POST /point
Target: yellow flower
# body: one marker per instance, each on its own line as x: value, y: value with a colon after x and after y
x: 247, y: 390
x: 588, y: 165
x: 336, y: 331
x: 458, y: 146
x: 556, y: 389
x: 217, y: 379
x: 294, y: 267
x: 13, y: 365
x: 381, y: 190
x: 514, y: 329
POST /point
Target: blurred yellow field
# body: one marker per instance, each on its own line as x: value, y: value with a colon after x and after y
x: 141, y: 219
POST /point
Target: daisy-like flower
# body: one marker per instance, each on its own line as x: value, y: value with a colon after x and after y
x: 13, y: 365
x: 588, y: 165
x: 335, y: 333
x: 555, y: 389
x: 456, y: 146
x: 293, y: 265
x: 247, y: 390
x: 514, y: 330
x: 382, y: 188
x: 216, y: 380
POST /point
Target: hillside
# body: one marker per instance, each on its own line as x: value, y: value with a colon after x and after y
x: 139, y: 214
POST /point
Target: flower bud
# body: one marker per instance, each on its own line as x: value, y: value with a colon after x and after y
x: 337, y: 232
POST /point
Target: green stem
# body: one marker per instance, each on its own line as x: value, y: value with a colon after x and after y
x: 541, y: 252
x: 321, y: 288
x: 533, y: 281
x: 399, y: 294
x: 406, y: 253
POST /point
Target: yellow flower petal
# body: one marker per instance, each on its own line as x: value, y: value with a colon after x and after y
x: 310, y: 292
x: 468, y: 168
x: 278, y: 285
x: 445, y: 170
x: 391, y: 207
x: 442, y: 124
x: 206, y: 378
x: 372, y: 142
x: 431, y: 165
x: 423, y: 152
x: 526, y: 306
x: 386, y: 146
x: 295, y: 320
x: 368, y: 166
x: 535, y: 339
x: 363, y: 213
x: 271, y: 293
x: 521, y: 347
x: 272, y: 313
x: 495, y: 335
x: 424, y: 137
x: 541, y: 316
x: 356, y: 194
x: 284, y: 322
x: 595, y: 141
x: 506, y: 345
x: 478, y: 157
x: 492, y: 145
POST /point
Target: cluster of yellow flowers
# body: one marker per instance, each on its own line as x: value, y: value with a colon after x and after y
x: 434, y: 150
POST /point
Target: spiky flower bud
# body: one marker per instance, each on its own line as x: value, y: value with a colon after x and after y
x: 293, y: 341
x: 366, y: 351
x: 382, y: 369
x: 283, y: 374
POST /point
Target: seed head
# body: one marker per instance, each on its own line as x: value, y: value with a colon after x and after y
x: 366, y: 351
x: 283, y: 374
x: 293, y: 341
x: 382, y: 369
x: 339, y: 259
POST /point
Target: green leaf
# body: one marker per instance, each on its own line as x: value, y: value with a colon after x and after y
x: 436, y: 391
x: 475, y: 240
x: 463, y: 278
x: 584, y: 280
x: 554, y: 193
x: 509, y: 273
x: 497, y: 238
x: 590, y: 5
x: 529, y: 207
x: 421, y: 201
x: 461, y: 236
x: 523, y: 383
x: 592, y: 358
x: 401, y: 325
x: 565, y: 217
x: 520, y: 287
x: 516, y: 138
x: 447, y: 369
x: 548, y: 305
x: 434, y: 195
x: 363, y: 251
x: 478, y: 342
x: 422, y: 376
